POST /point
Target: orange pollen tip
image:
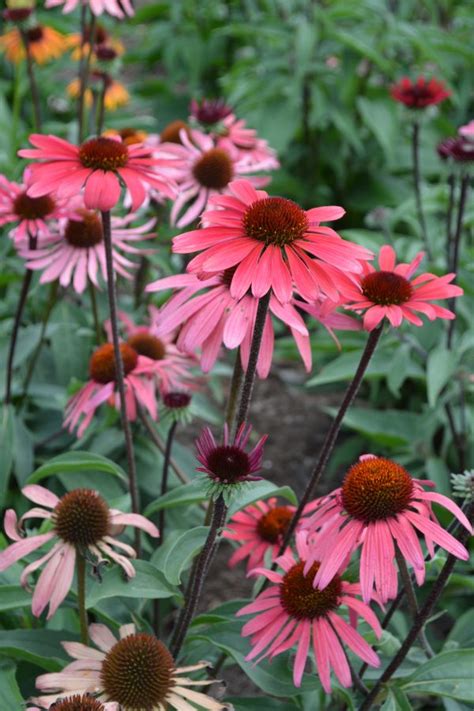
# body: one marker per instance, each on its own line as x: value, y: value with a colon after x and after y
x: 214, y: 170
x: 103, y: 154
x: 301, y: 600
x: 102, y: 362
x: 275, y: 221
x: 274, y: 524
x: 86, y: 232
x: 81, y: 517
x: 137, y: 673
x: 386, y: 288
x: 376, y: 489
x: 29, y: 208
x: 170, y: 133
x: 147, y: 345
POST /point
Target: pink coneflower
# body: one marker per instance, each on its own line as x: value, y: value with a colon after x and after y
x: 260, y: 528
x: 81, y: 521
x: 139, y: 387
x: 135, y: 672
x: 457, y: 148
x: 420, y: 93
x: 74, y: 252
x: 78, y: 702
x: 273, y: 244
x: 243, y: 143
x: 214, y: 318
x: 292, y: 612
x: 205, y: 171
x: 31, y: 215
x: 467, y: 131
x: 100, y: 166
x: 229, y: 463
x: 116, y: 8
x: 379, y: 506
x: 391, y: 292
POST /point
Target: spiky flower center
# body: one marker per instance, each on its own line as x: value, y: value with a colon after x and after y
x: 375, y: 489
x: 176, y: 400
x: 137, y: 673
x: 102, y: 362
x: 81, y: 517
x: 211, y: 111
x: 147, y: 345
x: 304, y: 602
x: 214, y: 170
x: 29, y: 208
x: 103, y: 154
x: 386, y: 288
x: 274, y: 524
x: 85, y: 232
x: 78, y: 703
x: 228, y: 463
x: 275, y: 220
x: 35, y: 34
x: 170, y: 133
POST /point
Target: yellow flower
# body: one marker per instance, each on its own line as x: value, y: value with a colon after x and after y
x: 44, y: 42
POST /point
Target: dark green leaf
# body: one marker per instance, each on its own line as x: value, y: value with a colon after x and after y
x: 6, y: 449
x: 10, y: 696
x: 74, y: 463
x: 13, y: 597
x: 40, y: 647
x: 148, y: 584
x: 448, y: 674
x: 440, y: 366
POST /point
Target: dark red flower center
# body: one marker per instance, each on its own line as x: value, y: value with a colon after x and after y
x: 176, y: 400
x: 35, y: 34
x: 274, y: 524
x: 103, y: 154
x: 81, y: 517
x: 100, y: 34
x: 17, y: 14
x: 375, y: 489
x: 275, y: 220
x: 386, y: 288
x: 229, y: 464
x: 210, y: 111
x: 304, y: 602
x: 170, y: 133
x: 147, y: 345
x: 86, y: 232
x: 105, y: 53
x: 29, y: 208
x: 214, y: 170
x: 102, y: 362
x: 137, y: 673
x: 78, y: 703
x: 132, y: 135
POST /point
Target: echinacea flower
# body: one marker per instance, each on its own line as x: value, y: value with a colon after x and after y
x: 78, y: 702
x: 172, y: 132
x: 81, y: 521
x: 391, y: 292
x: 133, y: 673
x: 243, y: 143
x: 420, y: 93
x: 31, y: 215
x: 272, y: 243
x: 205, y: 171
x: 208, y: 112
x: 44, y: 44
x: 293, y: 613
x: 74, y: 252
x: 380, y: 506
x: 93, y: 38
x: 458, y: 148
x: 208, y: 320
x: 259, y: 528
x: 102, y: 387
x: 116, y: 8
x: 228, y: 463
x: 100, y: 166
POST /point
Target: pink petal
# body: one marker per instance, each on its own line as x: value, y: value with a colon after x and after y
x: 40, y: 495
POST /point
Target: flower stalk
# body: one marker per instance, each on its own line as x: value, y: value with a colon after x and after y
x: 235, y: 386
x: 456, y: 243
x: 84, y: 69
x: 32, y: 80
x: 81, y: 597
x: 164, y: 477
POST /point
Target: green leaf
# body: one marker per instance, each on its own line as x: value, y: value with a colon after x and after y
x: 441, y: 365
x: 343, y: 367
x: 6, y: 449
x: 13, y: 597
x: 462, y: 634
x: 448, y: 674
x: 261, y: 490
x: 389, y: 427
x: 179, y: 496
x: 23, y: 451
x: 180, y: 555
x: 437, y: 471
x: 75, y: 462
x: 396, y: 701
x: 258, y: 704
x: 148, y: 584
x: 381, y: 120
x: 10, y: 695
x: 40, y: 647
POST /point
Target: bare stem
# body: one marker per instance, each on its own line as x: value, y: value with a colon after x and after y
x: 330, y: 440
x: 417, y: 185
x: 33, y: 85
x: 81, y: 596
x: 235, y: 385
x: 25, y: 287
x: 119, y: 371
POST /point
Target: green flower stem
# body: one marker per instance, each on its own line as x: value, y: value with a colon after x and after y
x: 81, y: 596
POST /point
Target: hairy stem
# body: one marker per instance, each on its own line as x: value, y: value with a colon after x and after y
x: 330, y: 440
x: 25, y: 287
x: 235, y: 385
x: 32, y: 80
x: 415, y: 146
x: 81, y: 596
x: 119, y: 371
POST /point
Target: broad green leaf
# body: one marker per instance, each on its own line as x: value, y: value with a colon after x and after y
x: 342, y: 368
x: 182, y: 552
x: 380, y: 118
x: 396, y: 701
x: 13, y: 597
x: 261, y: 490
x: 40, y: 647
x: 440, y: 366
x: 6, y: 449
x: 448, y: 674
x: 389, y: 427
x: 179, y: 496
x: 23, y: 451
x: 258, y: 704
x: 10, y: 696
x: 75, y: 462
x: 437, y: 471
x: 148, y: 584
x: 462, y: 633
